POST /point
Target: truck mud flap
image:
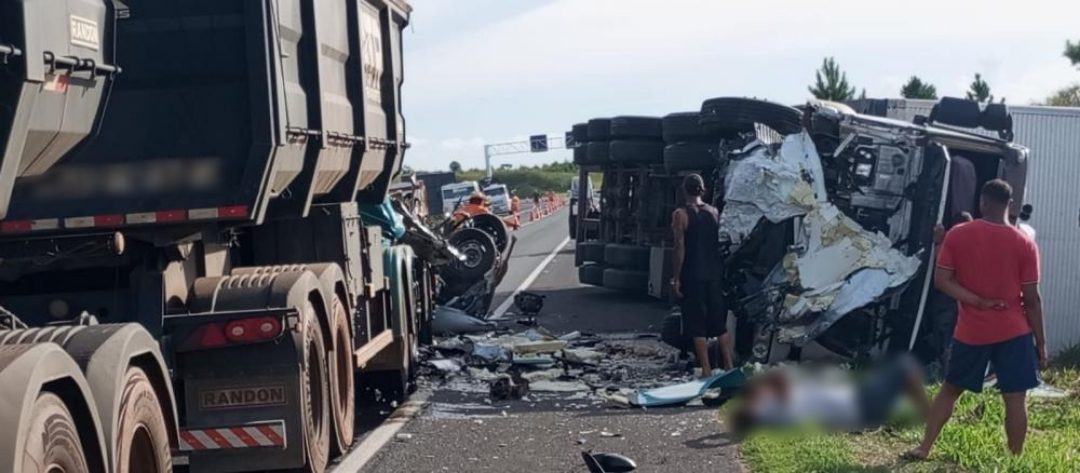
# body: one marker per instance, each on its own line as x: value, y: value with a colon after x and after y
x: 242, y: 408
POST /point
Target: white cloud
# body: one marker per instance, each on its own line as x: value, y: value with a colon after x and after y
x: 459, y: 144
x: 552, y: 64
x: 571, y: 41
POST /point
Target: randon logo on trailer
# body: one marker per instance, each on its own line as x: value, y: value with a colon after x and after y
x: 84, y: 32
x: 248, y: 396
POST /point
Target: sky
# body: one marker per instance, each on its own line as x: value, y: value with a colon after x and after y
x: 491, y: 71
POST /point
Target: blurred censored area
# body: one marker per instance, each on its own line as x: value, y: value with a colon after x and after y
x: 152, y: 177
x: 829, y: 397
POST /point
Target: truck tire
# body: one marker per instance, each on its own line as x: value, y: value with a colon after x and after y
x: 573, y: 225
x: 315, y: 393
x: 687, y: 156
x: 142, y: 443
x: 633, y: 127
x: 479, y: 250
x: 626, y: 280
x: 393, y: 386
x: 495, y: 227
x: 581, y: 154
x: 591, y: 274
x: 683, y: 126
x: 724, y: 116
x: 52, y: 439
x: 957, y: 112
x: 623, y: 256
x: 342, y: 381
x: 580, y: 132
x: 996, y: 117
x: 671, y: 333
x: 591, y: 251
x: 598, y: 129
x: 637, y: 151
x: 598, y: 152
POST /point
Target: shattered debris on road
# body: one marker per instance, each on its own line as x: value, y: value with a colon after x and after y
x: 615, y: 370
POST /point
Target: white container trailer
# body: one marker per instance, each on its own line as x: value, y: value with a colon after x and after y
x: 1053, y: 189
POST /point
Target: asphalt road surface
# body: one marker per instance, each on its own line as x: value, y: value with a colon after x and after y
x: 458, y: 430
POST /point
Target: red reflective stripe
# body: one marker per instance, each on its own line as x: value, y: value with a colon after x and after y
x: 271, y: 434
x: 108, y: 220
x: 243, y: 436
x: 216, y: 437
x: 171, y: 215
x: 192, y: 440
x: 236, y: 211
x: 16, y: 226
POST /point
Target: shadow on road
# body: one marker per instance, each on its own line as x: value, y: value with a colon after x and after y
x: 717, y: 440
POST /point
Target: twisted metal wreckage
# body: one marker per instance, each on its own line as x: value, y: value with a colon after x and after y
x: 471, y: 257
x: 837, y: 219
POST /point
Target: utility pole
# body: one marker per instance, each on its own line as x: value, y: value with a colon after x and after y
x: 535, y: 144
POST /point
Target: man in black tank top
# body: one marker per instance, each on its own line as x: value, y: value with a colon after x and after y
x: 696, y: 278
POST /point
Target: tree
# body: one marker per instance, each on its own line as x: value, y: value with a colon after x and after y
x: 455, y: 167
x: 831, y: 83
x: 1065, y: 97
x: 1072, y: 51
x: 915, y: 88
x: 979, y: 90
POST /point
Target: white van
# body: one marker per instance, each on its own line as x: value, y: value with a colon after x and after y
x: 457, y: 194
x: 500, y: 199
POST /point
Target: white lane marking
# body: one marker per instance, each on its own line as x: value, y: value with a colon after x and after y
x: 501, y: 310
x: 366, y: 450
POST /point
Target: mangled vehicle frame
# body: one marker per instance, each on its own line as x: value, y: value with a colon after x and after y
x: 829, y: 230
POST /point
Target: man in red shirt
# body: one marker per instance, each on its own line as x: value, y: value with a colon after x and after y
x: 991, y: 268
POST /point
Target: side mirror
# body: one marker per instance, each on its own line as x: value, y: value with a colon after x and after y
x: 608, y: 463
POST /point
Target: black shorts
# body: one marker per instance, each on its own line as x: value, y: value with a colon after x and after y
x: 704, y: 311
x: 1015, y: 363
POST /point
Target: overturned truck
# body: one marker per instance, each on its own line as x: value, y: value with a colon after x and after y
x: 827, y: 220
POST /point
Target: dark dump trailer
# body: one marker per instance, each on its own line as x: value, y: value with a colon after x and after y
x: 190, y: 267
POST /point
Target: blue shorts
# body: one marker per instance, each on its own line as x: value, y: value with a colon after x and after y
x: 880, y: 391
x: 1014, y: 361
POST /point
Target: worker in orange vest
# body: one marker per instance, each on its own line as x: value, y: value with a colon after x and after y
x: 513, y: 221
x: 476, y: 205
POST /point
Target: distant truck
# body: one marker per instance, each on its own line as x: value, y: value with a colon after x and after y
x: 499, y: 197
x: 457, y: 193
x: 199, y: 260
x: 433, y: 182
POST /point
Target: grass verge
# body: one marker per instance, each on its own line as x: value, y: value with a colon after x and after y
x: 974, y: 440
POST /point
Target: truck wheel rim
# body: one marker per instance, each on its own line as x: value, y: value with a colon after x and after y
x: 474, y: 253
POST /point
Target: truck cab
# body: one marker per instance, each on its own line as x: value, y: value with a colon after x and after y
x: 456, y: 193
x: 499, y: 197
x: 887, y: 184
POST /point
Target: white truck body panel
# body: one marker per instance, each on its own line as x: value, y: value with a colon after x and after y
x: 1053, y: 136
